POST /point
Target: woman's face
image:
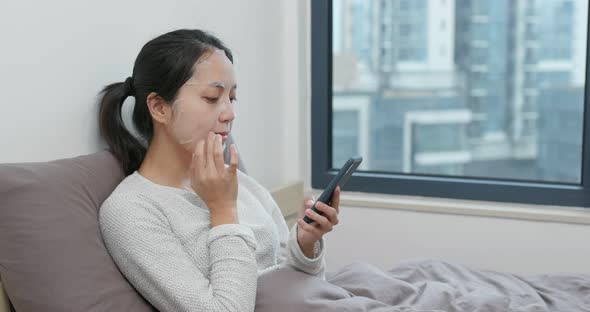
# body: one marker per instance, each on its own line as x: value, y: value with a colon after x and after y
x: 205, y: 102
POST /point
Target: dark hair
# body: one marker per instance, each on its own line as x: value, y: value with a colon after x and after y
x: 163, y: 65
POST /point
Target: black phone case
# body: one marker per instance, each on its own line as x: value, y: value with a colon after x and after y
x: 340, y: 179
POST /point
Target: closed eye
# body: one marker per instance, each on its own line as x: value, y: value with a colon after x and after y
x: 212, y: 99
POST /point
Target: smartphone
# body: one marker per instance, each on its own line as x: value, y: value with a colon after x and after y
x: 340, y: 179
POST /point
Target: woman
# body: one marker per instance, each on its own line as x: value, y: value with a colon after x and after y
x: 189, y: 232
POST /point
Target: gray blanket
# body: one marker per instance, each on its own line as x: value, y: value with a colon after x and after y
x: 421, y: 286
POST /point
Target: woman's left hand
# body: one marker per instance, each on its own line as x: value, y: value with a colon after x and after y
x: 308, y: 234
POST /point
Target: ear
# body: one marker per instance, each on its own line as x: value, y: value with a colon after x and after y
x: 159, y: 109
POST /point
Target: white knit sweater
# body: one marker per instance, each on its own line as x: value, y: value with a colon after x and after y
x: 161, y: 239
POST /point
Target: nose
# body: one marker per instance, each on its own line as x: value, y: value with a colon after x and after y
x: 228, y: 114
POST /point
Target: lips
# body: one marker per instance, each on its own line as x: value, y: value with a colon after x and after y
x: 223, y: 135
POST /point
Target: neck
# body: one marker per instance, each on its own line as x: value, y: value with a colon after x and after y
x: 166, y: 163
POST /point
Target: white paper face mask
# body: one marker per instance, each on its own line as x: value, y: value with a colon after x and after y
x: 205, y: 102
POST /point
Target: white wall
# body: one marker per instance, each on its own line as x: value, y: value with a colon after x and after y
x: 386, y: 237
x: 55, y: 57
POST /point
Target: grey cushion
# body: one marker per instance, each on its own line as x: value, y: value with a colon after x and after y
x: 52, y: 257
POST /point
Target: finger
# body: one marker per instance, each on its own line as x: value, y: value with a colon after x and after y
x: 199, y: 156
x: 209, y: 154
x: 308, y: 199
x: 205, y: 146
x: 329, y: 212
x: 319, y: 219
x: 307, y: 203
x: 218, y: 154
x: 233, y: 158
x: 336, y: 199
x: 309, y: 228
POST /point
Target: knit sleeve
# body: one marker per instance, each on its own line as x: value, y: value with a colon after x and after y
x: 147, y: 251
x: 291, y: 253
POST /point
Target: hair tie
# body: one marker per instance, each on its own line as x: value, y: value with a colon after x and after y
x: 129, y: 89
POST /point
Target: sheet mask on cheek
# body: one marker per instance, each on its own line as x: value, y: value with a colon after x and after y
x: 190, y: 122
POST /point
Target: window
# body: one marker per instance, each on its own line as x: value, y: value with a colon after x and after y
x: 405, y: 30
x: 350, y: 128
x: 499, y: 116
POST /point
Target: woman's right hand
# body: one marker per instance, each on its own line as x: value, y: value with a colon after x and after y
x: 213, y: 182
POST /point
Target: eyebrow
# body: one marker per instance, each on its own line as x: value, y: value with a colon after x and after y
x: 219, y: 84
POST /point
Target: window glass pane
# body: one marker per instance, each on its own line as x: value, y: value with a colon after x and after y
x: 346, y: 135
x: 467, y: 88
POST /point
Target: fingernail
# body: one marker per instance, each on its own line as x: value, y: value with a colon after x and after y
x: 310, y: 202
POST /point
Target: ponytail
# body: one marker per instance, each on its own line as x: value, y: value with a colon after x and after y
x: 126, y: 148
